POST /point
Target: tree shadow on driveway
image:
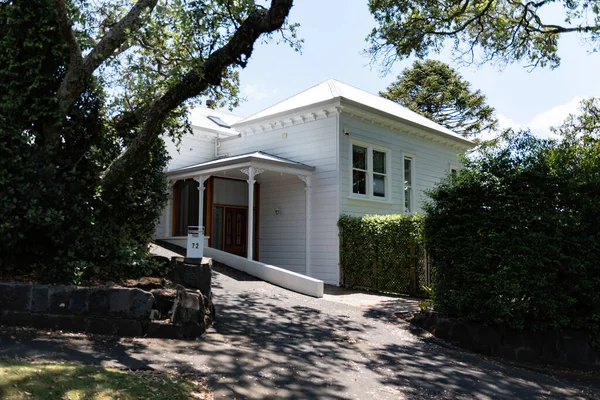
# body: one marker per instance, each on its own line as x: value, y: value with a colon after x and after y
x: 270, y: 343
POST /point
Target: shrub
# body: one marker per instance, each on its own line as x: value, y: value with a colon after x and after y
x: 378, y: 251
x: 54, y: 222
x: 515, y: 235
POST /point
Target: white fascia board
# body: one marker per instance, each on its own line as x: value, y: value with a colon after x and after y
x: 290, y: 113
x: 350, y: 106
x: 240, y: 164
x: 214, y: 132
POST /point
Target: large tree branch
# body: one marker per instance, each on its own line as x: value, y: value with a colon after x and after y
x: 77, y: 74
x: 117, y: 35
x: 64, y: 24
x: 208, y: 73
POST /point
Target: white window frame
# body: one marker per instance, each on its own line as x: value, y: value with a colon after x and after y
x: 413, y: 185
x: 388, y: 171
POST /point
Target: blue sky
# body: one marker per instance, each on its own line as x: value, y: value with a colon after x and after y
x: 334, y: 32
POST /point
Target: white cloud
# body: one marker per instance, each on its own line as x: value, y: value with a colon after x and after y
x: 541, y: 123
x: 256, y: 92
x: 505, y: 122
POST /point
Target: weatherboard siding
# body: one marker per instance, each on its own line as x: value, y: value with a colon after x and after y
x: 431, y: 162
x: 193, y: 149
x: 282, y: 238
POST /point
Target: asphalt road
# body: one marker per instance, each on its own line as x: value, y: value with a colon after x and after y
x: 270, y: 343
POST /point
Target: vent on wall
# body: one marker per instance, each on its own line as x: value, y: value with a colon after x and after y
x: 218, y: 121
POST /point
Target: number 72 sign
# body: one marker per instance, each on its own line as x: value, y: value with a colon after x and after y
x: 195, y: 242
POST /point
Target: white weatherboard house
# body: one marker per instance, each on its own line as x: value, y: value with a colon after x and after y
x: 273, y: 185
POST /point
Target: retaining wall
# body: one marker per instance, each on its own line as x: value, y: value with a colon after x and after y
x: 185, y: 313
x: 568, y: 348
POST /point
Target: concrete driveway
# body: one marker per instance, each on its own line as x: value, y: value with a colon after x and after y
x: 269, y: 343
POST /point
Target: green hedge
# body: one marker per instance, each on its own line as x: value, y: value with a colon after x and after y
x: 377, y: 252
x: 515, y: 236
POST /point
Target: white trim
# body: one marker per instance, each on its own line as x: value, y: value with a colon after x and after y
x: 307, y: 113
x: 258, y: 165
x: 338, y: 180
x: 369, y: 171
x: 377, y: 116
x: 373, y: 200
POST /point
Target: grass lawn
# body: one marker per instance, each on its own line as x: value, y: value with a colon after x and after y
x: 46, y: 380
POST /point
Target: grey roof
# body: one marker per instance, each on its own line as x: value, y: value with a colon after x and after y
x: 257, y: 156
x: 333, y: 89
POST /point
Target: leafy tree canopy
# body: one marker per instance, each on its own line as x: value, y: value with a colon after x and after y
x: 505, y: 31
x: 437, y: 91
x: 151, y: 56
x: 86, y: 89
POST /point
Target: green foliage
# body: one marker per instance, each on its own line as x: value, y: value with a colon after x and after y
x: 86, y: 90
x: 437, y: 91
x: 54, y: 223
x: 378, y: 251
x: 515, y: 234
x: 425, y: 305
x: 490, y: 30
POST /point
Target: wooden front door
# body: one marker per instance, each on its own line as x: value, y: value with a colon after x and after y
x: 235, y: 230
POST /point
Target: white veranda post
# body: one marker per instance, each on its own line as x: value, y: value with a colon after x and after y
x: 307, y: 189
x: 201, y: 179
x: 169, y: 211
x: 251, y: 172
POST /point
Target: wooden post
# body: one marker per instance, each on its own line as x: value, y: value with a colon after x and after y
x: 412, y: 273
x: 342, y: 274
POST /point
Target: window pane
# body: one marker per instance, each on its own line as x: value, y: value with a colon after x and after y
x: 379, y: 185
x: 408, y: 171
x: 379, y: 162
x: 359, y: 157
x: 359, y: 182
x: 407, y: 200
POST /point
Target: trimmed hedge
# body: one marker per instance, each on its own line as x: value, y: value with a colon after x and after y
x: 377, y: 252
x: 515, y: 236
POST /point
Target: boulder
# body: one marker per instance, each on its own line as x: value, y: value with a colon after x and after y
x: 192, y: 312
x: 193, y: 273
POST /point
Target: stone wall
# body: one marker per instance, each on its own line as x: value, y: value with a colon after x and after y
x: 175, y: 313
x: 569, y: 348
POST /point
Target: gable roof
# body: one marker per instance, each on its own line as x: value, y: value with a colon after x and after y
x: 333, y: 89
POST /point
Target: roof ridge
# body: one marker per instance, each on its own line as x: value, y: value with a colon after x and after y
x: 333, y: 87
x: 284, y: 100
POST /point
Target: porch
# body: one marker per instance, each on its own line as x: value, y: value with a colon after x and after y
x: 255, y: 206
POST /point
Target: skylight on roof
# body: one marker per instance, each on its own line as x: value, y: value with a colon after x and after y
x: 218, y: 121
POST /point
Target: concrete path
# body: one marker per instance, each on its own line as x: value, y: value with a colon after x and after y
x: 269, y: 343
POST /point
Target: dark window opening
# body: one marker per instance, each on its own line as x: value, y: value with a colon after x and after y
x: 185, y: 198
